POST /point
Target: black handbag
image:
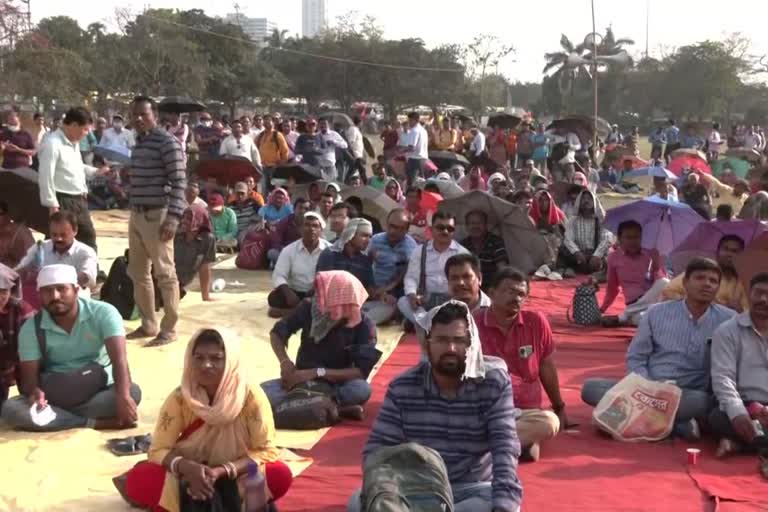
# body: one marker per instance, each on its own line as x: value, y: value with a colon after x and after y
x: 308, y: 406
x: 70, y: 389
x: 226, y: 498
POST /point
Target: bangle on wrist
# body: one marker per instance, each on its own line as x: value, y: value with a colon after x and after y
x: 174, y: 465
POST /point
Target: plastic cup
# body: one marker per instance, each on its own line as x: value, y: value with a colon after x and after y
x: 693, y: 456
x: 218, y: 285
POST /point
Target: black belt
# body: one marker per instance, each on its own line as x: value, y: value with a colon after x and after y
x: 72, y: 196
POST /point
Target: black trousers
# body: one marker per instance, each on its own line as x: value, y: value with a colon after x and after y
x: 78, y: 206
x: 722, y: 427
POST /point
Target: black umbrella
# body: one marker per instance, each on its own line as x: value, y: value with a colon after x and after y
x: 504, y: 121
x: 582, y: 126
x: 301, y: 173
x: 444, y: 160
x: 336, y: 118
x: 19, y: 189
x: 180, y: 105
x: 227, y: 170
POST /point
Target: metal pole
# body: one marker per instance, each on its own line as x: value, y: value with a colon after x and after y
x: 594, y: 79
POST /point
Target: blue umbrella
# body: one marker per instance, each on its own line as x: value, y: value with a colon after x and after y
x: 114, y: 153
x: 665, y: 224
x: 651, y: 172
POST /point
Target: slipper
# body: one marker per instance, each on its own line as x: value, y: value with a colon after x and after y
x: 160, y: 340
x: 131, y: 445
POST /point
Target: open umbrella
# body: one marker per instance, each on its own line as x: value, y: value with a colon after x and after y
x: 444, y: 160
x: 336, y: 118
x: 301, y: 173
x: 750, y: 155
x: 694, y: 153
x: 738, y: 166
x: 19, y: 189
x: 226, y: 171
x: 113, y: 153
x: 504, y: 121
x: 678, y: 165
x: 665, y: 224
x: 526, y: 248
x: 375, y: 202
x: 705, y: 238
x: 580, y: 125
x: 648, y: 172
x: 753, y: 260
x: 637, y: 162
x: 180, y: 105
x: 448, y: 188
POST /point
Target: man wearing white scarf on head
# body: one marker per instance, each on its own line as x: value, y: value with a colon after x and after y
x: 466, y: 400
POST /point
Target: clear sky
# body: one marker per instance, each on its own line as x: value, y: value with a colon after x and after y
x: 534, y: 28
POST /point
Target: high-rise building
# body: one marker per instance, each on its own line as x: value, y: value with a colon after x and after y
x: 314, y: 17
x: 258, y: 29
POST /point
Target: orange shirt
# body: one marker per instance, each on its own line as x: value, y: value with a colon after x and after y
x: 512, y: 143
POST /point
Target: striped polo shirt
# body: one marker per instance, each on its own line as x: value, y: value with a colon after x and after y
x: 671, y: 345
x: 158, y: 174
x: 474, y: 432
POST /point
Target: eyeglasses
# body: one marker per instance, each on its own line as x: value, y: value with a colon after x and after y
x: 443, y: 227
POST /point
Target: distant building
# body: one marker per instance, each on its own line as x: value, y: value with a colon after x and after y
x: 314, y: 17
x: 258, y: 29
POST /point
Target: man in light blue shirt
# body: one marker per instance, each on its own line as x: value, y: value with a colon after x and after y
x: 672, y: 343
x: 390, y: 252
x: 76, y: 337
x: 672, y: 134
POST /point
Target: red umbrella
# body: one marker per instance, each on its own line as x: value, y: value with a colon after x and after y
x: 637, y: 162
x: 227, y: 171
x: 678, y: 165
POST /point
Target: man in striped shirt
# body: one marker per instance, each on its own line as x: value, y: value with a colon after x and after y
x: 157, y: 186
x: 459, y: 404
x: 672, y: 343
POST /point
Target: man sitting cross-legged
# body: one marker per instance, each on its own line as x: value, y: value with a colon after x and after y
x: 72, y: 333
x: 295, y: 268
x: 740, y: 375
x: 459, y: 404
x: 672, y: 344
x: 338, y: 343
x: 523, y: 339
x: 638, y: 272
x: 465, y: 281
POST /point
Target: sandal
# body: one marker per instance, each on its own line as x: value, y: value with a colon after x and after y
x: 131, y: 445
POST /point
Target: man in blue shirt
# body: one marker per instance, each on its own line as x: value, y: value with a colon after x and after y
x: 672, y: 344
x: 672, y: 134
x: 348, y: 253
x: 690, y: 140
x: 76, y: 337
x: 390, y: 252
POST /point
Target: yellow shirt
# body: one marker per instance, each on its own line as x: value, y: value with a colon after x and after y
x: 725, y: 195
x: 446, y: 139
x: 731, y: 293
x: 273, y: 148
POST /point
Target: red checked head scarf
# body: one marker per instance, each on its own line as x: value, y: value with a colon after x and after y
x: 338, y: 295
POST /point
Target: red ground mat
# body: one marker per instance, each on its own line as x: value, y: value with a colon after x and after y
x: 579, y: 470
x: 734, y: 479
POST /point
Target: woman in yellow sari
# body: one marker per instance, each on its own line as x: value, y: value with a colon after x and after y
x: 211, y: 429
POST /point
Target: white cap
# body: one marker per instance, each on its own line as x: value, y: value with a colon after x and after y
x: 56, y: 274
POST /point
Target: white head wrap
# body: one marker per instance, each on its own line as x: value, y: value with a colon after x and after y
x: 315, y: 215
x: 354, y: 226
x: 474, y: 364
x: 56, y: 274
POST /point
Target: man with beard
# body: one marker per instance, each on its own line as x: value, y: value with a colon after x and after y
x: 465, y: 281
x: 72, y: 335
x: 459, y: 404
x: 731, y: 292
x: 523, y: 339
x: 348, y: 253
x: 587, y: 241
x: 63, y: 248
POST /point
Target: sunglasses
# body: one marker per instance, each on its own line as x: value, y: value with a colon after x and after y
x: 443, y: 227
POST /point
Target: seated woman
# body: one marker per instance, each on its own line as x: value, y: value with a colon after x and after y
x: 394, y: 191
x: 278, y: 206
x: 550, y: 221
x: 209, y: 431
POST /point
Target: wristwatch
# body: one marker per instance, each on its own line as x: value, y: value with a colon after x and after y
x: 320, y: 373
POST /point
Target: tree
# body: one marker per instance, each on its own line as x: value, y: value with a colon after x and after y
x: 565, y: 72
x: 486, y: 52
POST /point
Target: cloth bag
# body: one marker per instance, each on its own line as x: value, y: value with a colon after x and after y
x: 253, y: 251
x: 584, y: 307
x: 308, y: 406
x: 638, y: 409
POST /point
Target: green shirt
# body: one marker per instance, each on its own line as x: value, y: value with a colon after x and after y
x: 225, y: 224
x: 378, y: 183
x: 96, y: 322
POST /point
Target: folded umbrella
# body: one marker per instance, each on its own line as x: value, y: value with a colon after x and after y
x: 738, y: 166
x: 368, y: 146
x: 227, y: 171
x: 526, y: 248
x: 300, y: 173
x: 665, y: 224
x: 444, y: 160
x: 180, y: 105
x: 753, y: 260
x: 19, y: 189
x: 113, y: 153
x: 678, y: 165
x: 375, y: 202
x: 705, y: 237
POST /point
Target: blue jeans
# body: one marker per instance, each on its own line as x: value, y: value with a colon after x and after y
x: 102, y: 405
x: 693, y: 402
x: 352, y: 392
x: 473, y: 497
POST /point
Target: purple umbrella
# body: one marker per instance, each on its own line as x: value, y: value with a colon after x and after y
x: 705, y: 238
x: 665, y: 224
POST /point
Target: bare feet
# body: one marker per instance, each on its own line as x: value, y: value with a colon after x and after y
x: 531, y: 453
x: 726, y: 448
x: 139, y: 334
x: 163, y: 338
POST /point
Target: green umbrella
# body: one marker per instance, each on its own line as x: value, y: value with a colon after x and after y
x: 738, y: 166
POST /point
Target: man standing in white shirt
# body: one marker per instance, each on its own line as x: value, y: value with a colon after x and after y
x: 477, y: 147
x: 62, y: 173
x: 240, y: 146
x: 330, y: 141
x: 713, y: 142
x: 416, y: 143
x: 118, y: 135
x: 294, y: 274
x: 357, y: 147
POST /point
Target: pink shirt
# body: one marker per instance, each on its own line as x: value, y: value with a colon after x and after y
x: 630, y: 273
x: 523, y: 347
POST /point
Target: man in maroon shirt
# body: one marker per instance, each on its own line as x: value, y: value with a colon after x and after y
x: 16, y: 143
x: 287, y: 230
x: 523, y: 339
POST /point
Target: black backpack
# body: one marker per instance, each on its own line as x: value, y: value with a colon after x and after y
x: 118, y: 288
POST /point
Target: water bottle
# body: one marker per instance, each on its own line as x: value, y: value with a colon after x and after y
x: 255, y: 490
x: 39, y: 255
